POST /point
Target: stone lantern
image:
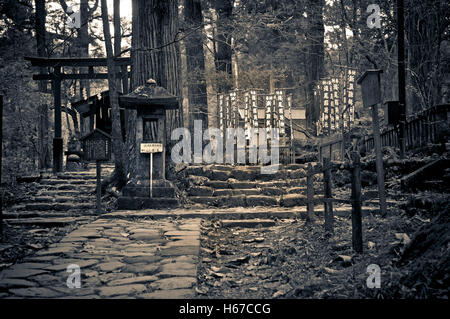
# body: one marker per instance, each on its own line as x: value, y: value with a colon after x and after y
x: 147, y: 186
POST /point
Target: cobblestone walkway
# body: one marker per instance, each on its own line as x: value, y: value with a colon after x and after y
x: 118, y: 258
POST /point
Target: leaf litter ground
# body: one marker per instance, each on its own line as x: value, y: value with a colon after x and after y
x: 296, y: 260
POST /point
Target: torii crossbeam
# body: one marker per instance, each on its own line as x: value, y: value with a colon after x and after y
x: 57, y: 75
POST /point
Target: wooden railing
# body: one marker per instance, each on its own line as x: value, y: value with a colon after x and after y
x: 331, y: 149
x: 356, y: 200
x: 424, y: 128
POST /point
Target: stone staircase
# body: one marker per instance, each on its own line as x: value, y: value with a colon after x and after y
x: 228, y: 186
x: 246, y: 186
x: 61, y: 199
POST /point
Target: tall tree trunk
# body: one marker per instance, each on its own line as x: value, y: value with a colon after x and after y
x: 315, y: 68
x: 41, y: 15
x: 195, y: 62
x: 113, y: 83
x: 81, y: 45
x: 423, y: 28
x: 210, y: 69
x: 155, y: 50
x: 83, y: 42
x: 224, y: 10
x: 43, y: 141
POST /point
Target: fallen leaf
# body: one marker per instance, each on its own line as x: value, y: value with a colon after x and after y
x: 282, y: 290
x: 217, y: 274
x: 202, y: 291
x: 330, y: 271
x: 208, y: 251
x: 239, y: 260
x: 403, y: 238
x: 215, y: 269
x: 344, y: 258
x: 35, y: 246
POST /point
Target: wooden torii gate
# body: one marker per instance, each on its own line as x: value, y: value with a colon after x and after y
x: 56, y: 75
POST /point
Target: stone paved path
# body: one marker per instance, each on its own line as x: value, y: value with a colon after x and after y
x: 118, y: 258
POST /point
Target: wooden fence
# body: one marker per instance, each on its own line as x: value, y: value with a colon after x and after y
x: 424, y: 128
x: 356, y: 197
x: 331, y: 150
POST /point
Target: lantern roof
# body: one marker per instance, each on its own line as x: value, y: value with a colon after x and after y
x: 149, y: 95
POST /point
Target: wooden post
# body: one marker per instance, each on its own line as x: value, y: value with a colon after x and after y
x: 310, y: 194
x: 57, y: 140
x: 99, y: 187
x: 379, y: 159
x: 356, y: 204
x: 92, y: 115
x: 320, y: 154
x: 401, y: 74
x: 1, y: 159
x: 43, y: 136
x: 151, y: 175
x: 328, y: 204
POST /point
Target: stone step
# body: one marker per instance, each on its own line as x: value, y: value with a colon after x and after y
x: 89, y: 177
x: 61, y: 199
x: 45, y: 214
x: 288, y: 200
x: 241, y: 175
x: 16, y: 215
x: 247, y: 223
x: 276, y: 191
x: 235, y: 213
x: 231, y: 192
x: 194, y: 169
x: 70, y: 187
x: 246, y: 184
x: 68, y: 206
x: 56, y: 181
x: 244, y: 173
x: 65, y: 193
x: 45, y: 222
x: 136, y: 203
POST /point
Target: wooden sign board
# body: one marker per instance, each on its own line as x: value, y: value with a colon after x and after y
x: 96, y: 149
x: 151, y: 147
x: 370, y: 87
x: 96, y: 146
